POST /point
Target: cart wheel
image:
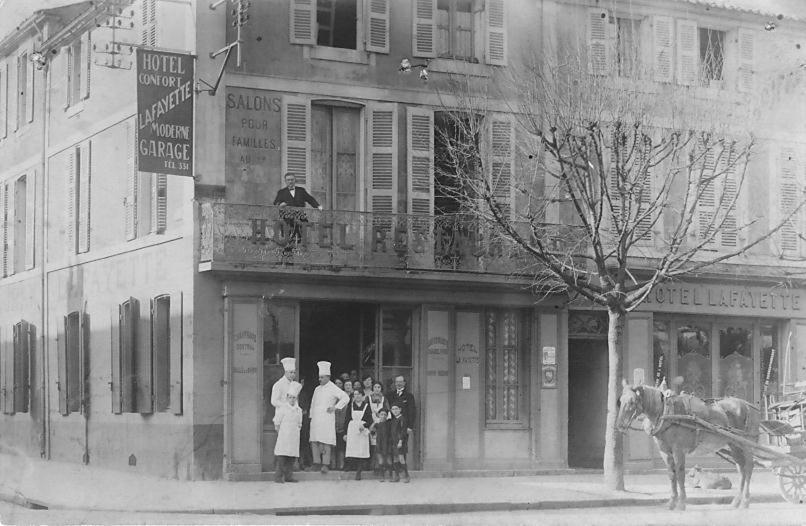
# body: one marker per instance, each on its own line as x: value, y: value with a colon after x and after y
x: 792, y: 482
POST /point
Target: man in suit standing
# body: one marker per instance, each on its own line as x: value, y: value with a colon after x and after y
x: 296, y: 196
x: 405, y: 401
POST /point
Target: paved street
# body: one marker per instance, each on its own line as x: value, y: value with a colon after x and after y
x: 761, y: 514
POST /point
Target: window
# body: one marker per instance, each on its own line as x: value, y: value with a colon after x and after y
x: 335, y: 133
x: 22, y: 88
x: 506, y: 336
x: 146, y: 201
x: 336, y: 23
x: 712, y: 56
x: 341, y: 30
x: 79, y: 63
x: 78, y: 167
x: 786, y: 199
x: 73, y: 349
x: 3, y: 100
x: 456, y: 30
x: 135, y: 361
x: 15, y: 369
x: 628, y: 46
x: 468, y: 30
x: 161, y: 348
x: 456, y: 154
x: 148, y: 25
x: 17, y: 210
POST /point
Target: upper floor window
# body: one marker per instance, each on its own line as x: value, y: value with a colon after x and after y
x: 15, y: 370
x: 712, y: 55
x: 336, y: 23
x: 79, y: 62
x: 456, y: 30
x: 22, y: 86
x: 77, y: 212
x: 628, y: 46
x: 146, y: 199
x: 339, y: 29
x: 17, y: 211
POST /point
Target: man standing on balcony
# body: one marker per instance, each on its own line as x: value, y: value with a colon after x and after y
x: 326, y: 399
x: 296, y: 196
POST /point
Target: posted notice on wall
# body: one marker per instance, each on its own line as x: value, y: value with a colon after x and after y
x: 165, y: 112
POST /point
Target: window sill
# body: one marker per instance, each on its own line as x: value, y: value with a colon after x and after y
x: 506, y: 426
x: 459, y: 67
x: 74, y: 109
x: 335, y: 54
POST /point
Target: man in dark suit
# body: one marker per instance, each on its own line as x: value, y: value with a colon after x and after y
x: 296, y: 196
x: 405, y: 400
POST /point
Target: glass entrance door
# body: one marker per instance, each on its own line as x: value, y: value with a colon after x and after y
x: 735, y: 344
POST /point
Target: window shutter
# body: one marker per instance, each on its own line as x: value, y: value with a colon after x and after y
x: 29, y: 86
x: 68, y: 76
x: 11, y: 224
x: 3, y: 345
x: 4, y: 100
x: 296, y: 137
x: 148, y: 27
x: 142, y: 363
x: 62, y: 359
x: 12, y: 376
x: 382, y: 187
x: 303, y: 22
x: 30, y: 349
x: 788, y: 198
x: 21, y: 366
x: 70, y: 212
x: 130, y: 201
x: 729, y: 233
x: 424, y: 28
x: 706, y: 206
x: 500, y: 161
x: 177, y: 329
x: 746, y: 59
x: 599, y: 46
x: 84, y: 197
x: 420, y: 161
x: 114, y: 346
x: 86, y: 47
x: 662, y: 48
x: 84, y: 361
x: 13, y: 95
x: 378, y: 26
x: 30, y: 219
x: 161, y: 349
x: 496, y: 51
x: 687, y: 53
x: 159, y: 203
x: 129, y: 326
x: 4, y: 226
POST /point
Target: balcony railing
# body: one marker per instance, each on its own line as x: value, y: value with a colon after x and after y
x: 236, y: 235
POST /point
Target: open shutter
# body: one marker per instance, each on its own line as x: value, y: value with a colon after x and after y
x: 86, y: 47
x: 296, y: 137
x: 500, y: 163
x: 61, y: 351
x: 84, y: 361
x: 3, y: 345
x: 424, y: 28
x: 20, y: 358
x: 303, y: 22
x: 382, y: 188
x: 11, y: 228
x: 68, y: 76
x: 4, y: 100
x: 30, y: 219
x: 129, y: 326
x: 70, y: 202
x: 13, y: 95
x: 29, y: 86
x: 84, y: 195
x: 28, y: 363
x: 746, y: 59
x: 662, y: 48
x: 143, y: 364
x: 420, y: 160
x: 161, y: 349
x: 130, y: 201
x: 159, y: 203
x: 729, y: 233
x: 114, y: 346
x: 599, y: 46
x: 378, y: 26
x: 176, y: 353
x: 11, y: 370
x: 788, y: 198
x: 496, y: 50
x: 687, y: 53
x: 148, y: 28
x: 4, y: 226
x: 706, y: 206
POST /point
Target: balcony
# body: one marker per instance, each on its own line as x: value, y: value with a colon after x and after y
x: 241, y: 237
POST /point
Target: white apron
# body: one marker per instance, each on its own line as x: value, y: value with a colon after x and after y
x: 323, y: 424
x: 357, y: 436
x: 288, y: 421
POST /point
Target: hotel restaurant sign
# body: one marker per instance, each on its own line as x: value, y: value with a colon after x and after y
x: 165, y: 112
x: 730, y: 300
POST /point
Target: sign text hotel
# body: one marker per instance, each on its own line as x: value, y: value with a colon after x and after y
x: 725, y: 299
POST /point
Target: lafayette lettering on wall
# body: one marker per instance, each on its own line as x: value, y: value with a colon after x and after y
x: 726, y: 299
x: 165, y: 112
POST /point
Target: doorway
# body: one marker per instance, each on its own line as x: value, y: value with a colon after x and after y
x: 587, y: 402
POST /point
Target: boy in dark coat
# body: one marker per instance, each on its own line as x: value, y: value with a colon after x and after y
x: 399, y: 437
x: 383, y: 443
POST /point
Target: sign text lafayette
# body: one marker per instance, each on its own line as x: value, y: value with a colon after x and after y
x: 726, y: 299
x: 164, y: 112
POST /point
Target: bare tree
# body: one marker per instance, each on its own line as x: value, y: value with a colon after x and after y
x: 604, y: 187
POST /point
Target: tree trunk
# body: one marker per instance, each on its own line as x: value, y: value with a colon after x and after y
x: 614, y: 441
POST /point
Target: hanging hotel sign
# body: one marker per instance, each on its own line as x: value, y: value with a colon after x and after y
x: 165, y: 112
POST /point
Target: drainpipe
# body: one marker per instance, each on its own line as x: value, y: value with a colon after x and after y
x: 44, y: 441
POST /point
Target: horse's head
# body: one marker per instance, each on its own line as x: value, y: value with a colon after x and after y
x: 630, y: 405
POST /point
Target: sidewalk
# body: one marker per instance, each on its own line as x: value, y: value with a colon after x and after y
x: 61, y: 485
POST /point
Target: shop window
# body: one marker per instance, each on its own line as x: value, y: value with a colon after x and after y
x: 456, y: 30
x: 736, y: 362
x: 15, y: 369
x: 628, y: 46
x: 712, y: 56
x: 770, y: 358
x: 694, y: 359
x: 336, y: 23
x: 396, y: 346
x: 506, y: 335
x: 661, y: 345
x: 73, y: 378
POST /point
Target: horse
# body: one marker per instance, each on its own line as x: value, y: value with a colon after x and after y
x: 676, y: 439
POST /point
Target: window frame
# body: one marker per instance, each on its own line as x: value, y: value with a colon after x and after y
x: 523, y: 318
x: 475, y: 28
x: 359, y: 55
x: 22, y: 89
x: 702, y: 69
x: 637, y: 24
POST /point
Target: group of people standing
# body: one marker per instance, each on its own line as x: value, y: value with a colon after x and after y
x: 352, y: 424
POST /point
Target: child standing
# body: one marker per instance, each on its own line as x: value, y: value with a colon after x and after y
x: 376, y: 403
x: 359, y: 421
x: 337, y: 462
x: 399, y: 438
x: 383, y: 443
x: 288, y: 421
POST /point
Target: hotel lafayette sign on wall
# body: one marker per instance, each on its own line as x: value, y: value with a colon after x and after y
x: 165, y: 112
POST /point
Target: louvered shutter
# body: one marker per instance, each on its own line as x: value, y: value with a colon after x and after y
x: 29, y: 86
x: 114, y: 346
x: 28, y: 362
x: 706, y: 205
x: 500, y: 163
x: 61, y: 350
x: 296, y: 137
x: 86, y: 47
x: 302, y: 26
x: 746, y: 59
x: 728, y: 233
x: 424, y: 28
x: 4, y: 100
x: 84, y: 361
x: 496, y: 49
x: 129, y: 327
x: 21, y: 367
x: 662, y: 48
x: 687, y: 53
x: 644, y: 201
x: 132, y: 180
x: 11, y: 228
x: 420, y: 160
x: 161, y: 349
x: 177, y: 331
x: 599, y: 47
x: 382, y: 188
x: 2, y: 373
x: 4, y: 226
x: 30, y: 220
x: 159, y: 203
x: 788, y: 198
x: 10, y: 359
x: 70, y: 202
x: 616, y: 154
x: 378, y: 25
x: 84, y: 197
x: 148, y: 28
x: 143, y: 367
x: 69, y: 76
x: 13, y: 96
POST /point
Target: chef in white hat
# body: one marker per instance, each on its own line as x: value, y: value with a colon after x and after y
x: 326, y: 399
x: 287, y: 421
x: 280, y: 387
